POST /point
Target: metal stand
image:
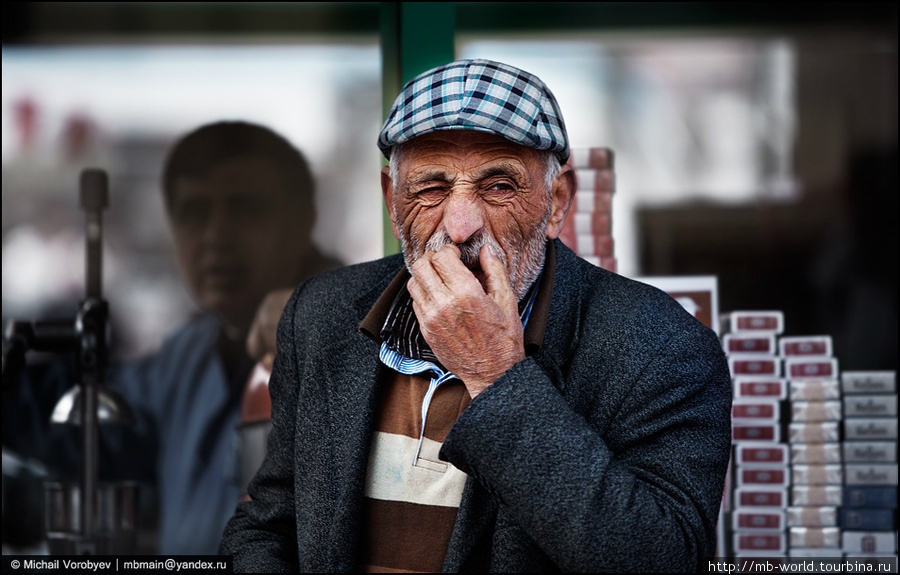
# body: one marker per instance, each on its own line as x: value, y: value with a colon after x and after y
x: 89, y: 403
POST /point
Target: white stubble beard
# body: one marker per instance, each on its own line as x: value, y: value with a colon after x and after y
x: 527, y: 262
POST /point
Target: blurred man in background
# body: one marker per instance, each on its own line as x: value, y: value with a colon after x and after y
x: 240, y: 200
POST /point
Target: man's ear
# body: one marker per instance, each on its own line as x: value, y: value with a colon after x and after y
x: 387, y: 190
x: 561, y: 201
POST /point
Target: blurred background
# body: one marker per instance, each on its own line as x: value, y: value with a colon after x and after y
x: 753, y: 142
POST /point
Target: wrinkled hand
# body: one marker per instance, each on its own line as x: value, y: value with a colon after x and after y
x: 261, y: 338
x: 474, y: 331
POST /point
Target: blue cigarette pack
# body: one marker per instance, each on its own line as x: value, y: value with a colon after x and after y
x: 861, y: 519
x: 870, y: 496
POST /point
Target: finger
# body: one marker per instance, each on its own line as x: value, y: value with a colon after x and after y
x: 455, y: 274
x: 255, y: 345
x: 424, y: 277
x: 496, y: 276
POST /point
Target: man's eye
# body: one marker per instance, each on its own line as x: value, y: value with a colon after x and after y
x: 500, y: 189
x: 431, y: 194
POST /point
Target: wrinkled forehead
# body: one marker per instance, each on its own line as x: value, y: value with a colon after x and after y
x: 463, y: 146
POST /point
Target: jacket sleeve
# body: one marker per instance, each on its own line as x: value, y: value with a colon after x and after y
x: 261, y: 536
x: 610, y: 463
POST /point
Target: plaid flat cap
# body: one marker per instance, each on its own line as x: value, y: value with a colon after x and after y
x: 478, y: 95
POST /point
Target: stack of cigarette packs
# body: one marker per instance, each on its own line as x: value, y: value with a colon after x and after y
x: 812, y: 375
x: 869, y: 512
x: 588, y: 227
x: 760, y: 471
x: 814, y: 466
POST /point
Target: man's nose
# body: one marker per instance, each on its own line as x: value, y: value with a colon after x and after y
x: 463, y: 217
x: 219, y: 226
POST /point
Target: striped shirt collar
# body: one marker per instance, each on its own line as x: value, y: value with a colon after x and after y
x: 392, y: 320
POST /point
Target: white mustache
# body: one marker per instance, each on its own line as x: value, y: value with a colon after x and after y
x: 469, y: 250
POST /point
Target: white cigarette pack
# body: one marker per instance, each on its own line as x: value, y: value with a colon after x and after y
x: 829, y: 410
x: 828, y: 474
x: 817, y: 495
x: 814, y: 389
x: 815, y: 537
x: 869, y: 541
x: 826, y: 516
x: 870, y: 451
x: 870, y: 473
x: 819, y: 432
x: 816, y: 453
x: 870, y: 429
x: 869, y: 381
x: 881, y: 405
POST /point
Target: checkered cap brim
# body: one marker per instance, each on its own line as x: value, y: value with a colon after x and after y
x: 478, y: 95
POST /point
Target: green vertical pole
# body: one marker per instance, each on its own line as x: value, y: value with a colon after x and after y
x: 415, y: 37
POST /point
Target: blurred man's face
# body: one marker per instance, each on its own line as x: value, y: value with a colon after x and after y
x: 470, y: 188
x: 237, y: 237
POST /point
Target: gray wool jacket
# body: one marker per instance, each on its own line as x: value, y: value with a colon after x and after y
x: 604, y: 450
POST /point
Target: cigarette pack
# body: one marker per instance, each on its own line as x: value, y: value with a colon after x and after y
x: 594, y: 244
x: 884, y: 496
x: 762, y: 453
x: 815, y: 537
x: 596, y: 158
x: 758, y: 519
x: 767, y: 321
x: 741, y: 431
x: 828, y: 555
x: 868, y: 542
x: 816, y: 495
x: 760, y: 497
x: 774, y: 543
x: 868, y: 519
x: 592, y: 201
x: 883, y: 405
x: 816, y: 410
x: 869, y: 381
x: 755, y: 410
x: 744, y: 365
x: 870, y: 429
x: 763, y: 476
x: 591, y: 223
x: 816, y: 453
x: 812, y: 516
x: 805, y: 346
x: 593, y: 179
x: 761, y: 387
x: 870, y: 451
x: 749, y: 343
x: 820, y: 432
x: 870, y: 474
x: 828, y: 474
x: 810, y: 368
x: 814, y: 389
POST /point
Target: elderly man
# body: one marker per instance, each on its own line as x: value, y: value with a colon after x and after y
x: 496, y: 403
